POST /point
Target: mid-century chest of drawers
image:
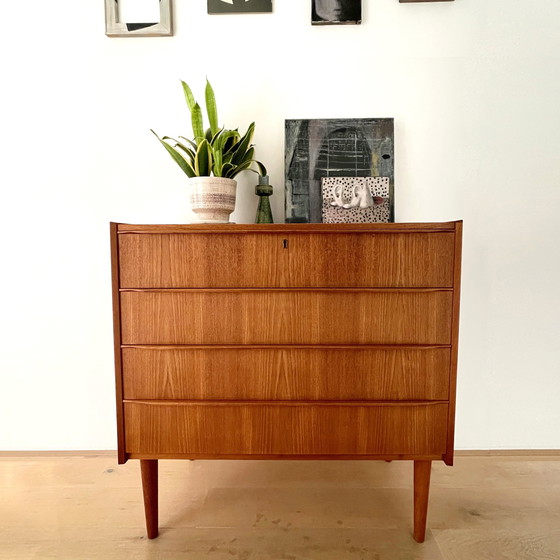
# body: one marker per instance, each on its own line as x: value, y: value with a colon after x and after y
x: 292, y: 341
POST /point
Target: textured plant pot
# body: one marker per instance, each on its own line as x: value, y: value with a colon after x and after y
x: 212, y: 198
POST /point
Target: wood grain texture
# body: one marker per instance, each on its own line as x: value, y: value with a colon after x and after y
x: 211, y: 229
x: 237, y: 260
x: 270, y: 428
x: 149, y: 473
x: 115, y: 270
x: 295, y: 341
x: 301, y: 373
x: 422, y: 473
x: 77, y: 508
x: 454, y: 342
x: 286, y: 317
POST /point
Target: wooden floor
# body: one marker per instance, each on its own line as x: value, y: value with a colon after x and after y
x: 87, y: 507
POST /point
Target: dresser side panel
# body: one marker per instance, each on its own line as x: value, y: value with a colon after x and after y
x: 122, y: 456
x: 448, y: 457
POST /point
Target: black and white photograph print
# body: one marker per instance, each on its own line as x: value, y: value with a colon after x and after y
x: 239, y: 6
x: 336, y: 11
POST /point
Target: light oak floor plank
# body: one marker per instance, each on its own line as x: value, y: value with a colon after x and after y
x: 88, y: 507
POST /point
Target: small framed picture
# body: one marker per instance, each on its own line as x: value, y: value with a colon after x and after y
x: 325, y: 12
x: 239, y: 6
x: 134, y: 18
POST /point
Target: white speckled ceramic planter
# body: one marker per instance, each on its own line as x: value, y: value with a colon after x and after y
x: 212, y: 198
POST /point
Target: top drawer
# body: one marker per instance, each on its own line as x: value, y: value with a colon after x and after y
x: 286, y: 259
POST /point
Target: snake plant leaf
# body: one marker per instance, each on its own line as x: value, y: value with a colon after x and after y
x: 249, y: 155
x: 178, y: 158
x: 211, y: 107
x: 208, y: 135
x: 186, y: 149
x: 217, y: 135
x: 189, y: 97
x: 228, y: 170
x: 203, y: 159
x: 218, y: 160
x: 246, y: 166
x: 217, y: 146
x: 244, y: 144
x: 197, y: 127
x: 262, y: 168
x: 233, y: 142
x: 189, y: 141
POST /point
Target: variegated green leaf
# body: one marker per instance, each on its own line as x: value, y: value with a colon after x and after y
x: 203, y: 159
x: 186, y: 149
x: 244, y: 144
x: 189, y: 141
x: 189, y: 97
x: 211, y: 108
x: 198, y: 129
x: 178, y: 158
x: 228, y: 170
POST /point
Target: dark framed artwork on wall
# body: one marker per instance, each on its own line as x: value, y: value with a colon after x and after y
x: 325, y: 12
x: 318, y: 148
x: 239, y: 6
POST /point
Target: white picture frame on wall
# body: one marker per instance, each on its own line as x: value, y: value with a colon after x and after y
x: 116, y: 28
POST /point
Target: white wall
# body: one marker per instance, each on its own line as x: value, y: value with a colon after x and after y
x: 474, y: 87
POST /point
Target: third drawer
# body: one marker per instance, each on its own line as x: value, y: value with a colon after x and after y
x: 290, y: 373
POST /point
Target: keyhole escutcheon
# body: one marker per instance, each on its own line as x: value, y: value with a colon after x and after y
x: 285, y: 244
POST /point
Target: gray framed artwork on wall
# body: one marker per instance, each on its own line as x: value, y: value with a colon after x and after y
x: 138, y: 18
x: 239, y: 6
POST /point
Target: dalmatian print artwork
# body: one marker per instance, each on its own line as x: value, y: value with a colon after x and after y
x: 354, y: 200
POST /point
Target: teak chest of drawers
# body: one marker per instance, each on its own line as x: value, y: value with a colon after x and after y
x: 296, y: 341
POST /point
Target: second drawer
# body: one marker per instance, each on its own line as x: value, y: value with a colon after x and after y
x: 251, y: 373
x: 286, y: 317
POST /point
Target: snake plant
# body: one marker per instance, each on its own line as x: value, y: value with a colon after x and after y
x: 217, y: 151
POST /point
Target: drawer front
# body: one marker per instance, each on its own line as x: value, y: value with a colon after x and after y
x: 334, y: 374
x: 286, y: 317
x: 240, y: 260
x: 284, y: 429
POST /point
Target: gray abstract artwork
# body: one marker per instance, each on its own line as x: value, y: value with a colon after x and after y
x: 318, y: 148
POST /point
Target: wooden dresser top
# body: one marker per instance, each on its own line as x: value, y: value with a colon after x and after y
x: 277, y: 228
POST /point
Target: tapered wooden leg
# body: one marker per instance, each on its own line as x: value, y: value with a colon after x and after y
x: 149, y: 469
x: 422, y: 471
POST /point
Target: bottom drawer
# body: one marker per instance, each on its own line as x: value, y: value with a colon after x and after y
x: 215, y: 429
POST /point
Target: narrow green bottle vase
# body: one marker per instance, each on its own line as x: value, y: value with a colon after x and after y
x: 264, y: 212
